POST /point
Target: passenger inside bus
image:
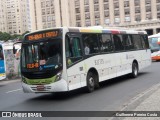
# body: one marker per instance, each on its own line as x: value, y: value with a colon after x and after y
x: 86, y: 49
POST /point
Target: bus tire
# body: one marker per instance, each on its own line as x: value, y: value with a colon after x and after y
x: 134, y: 73
x: 91, y: 78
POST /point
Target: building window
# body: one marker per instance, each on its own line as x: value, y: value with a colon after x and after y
x: 52, y: 10
x: 117, y: 20
x: 88, y: 23
x: 158, y: 8
x: 78, y: 24
x: 116, y: 5
x: 96, y: 8
x: 77, y: 3
x: 107, y: 21
x: 52, y: 2
x: 106, y: 7
x: 44, y: 19
x: 137, y: 10
x: 148, y: 2
x: 77, y: 10
x: 87, y: 16
x: 137, y: 2
x: 86, y: 2
x: 42, y: 4
x: 137, y: 18
x: 127, y: 19
x: 48, y: 4
x: 158, y: 1
x: 127, y: 11
x: 116, y: 12
x: 126, y: 3
x: 106, y: 13
x: 78, y: 17
x: 97, y: 15
x: 158, y: 15
x: 105, y: 0
x: 148, y: 16
x: 87, y: 9
x: 43, y: 12
x: 148, y: 8
x: 97, y: 22
x: 48, y: 10
x: 96, y: 1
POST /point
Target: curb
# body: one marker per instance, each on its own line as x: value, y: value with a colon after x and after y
x: 137, y: 100
x: 5, y: 81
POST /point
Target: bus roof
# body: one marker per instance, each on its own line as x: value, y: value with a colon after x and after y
x: 99, y: 30
x: 155, y: 35
x: 94, y: 30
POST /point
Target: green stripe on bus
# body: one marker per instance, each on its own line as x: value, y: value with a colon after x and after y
x: 40, y: 81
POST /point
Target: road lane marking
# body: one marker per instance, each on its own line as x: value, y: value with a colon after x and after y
x: 13, y: 90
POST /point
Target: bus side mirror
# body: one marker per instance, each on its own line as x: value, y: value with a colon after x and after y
x: 14, y: 50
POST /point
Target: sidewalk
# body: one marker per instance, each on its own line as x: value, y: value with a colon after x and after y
x: 7, y: 81
x: 146, y: 101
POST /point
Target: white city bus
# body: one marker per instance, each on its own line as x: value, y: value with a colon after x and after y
x: 64, y: 59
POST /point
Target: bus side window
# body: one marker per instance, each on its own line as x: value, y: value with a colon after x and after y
x: 118, y: 42
x: 128, y: 42
x: 90, y: 42
x: 106, y: 43
x: 73, y: 50
x: 137, y: 42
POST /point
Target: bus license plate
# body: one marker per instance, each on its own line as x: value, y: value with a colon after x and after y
x: 40, y: 88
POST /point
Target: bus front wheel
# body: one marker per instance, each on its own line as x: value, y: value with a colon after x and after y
x: 91, y: 78
x: 134, y: 73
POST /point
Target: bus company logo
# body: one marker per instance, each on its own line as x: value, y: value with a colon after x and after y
x: 6, y: 114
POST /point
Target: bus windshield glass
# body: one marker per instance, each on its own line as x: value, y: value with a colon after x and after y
x: 42, y: 56
x: 153, y: 42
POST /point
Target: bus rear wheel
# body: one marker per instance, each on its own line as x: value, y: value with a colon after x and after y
x: 134, y: 73
x: 91, y: 78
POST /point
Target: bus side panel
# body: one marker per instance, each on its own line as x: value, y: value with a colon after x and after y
x: 75, y: 76
x: 2, y: 70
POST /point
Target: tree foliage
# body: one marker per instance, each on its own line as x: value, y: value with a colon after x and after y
x: 6, y: 36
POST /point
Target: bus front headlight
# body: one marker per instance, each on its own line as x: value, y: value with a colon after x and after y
x: 58, y: 76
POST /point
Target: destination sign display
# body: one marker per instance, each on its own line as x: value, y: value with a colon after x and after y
x: 42, y: 35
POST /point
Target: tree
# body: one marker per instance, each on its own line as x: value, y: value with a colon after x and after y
x: 6, y: 36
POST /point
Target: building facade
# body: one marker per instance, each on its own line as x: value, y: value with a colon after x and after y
x: 136, y: 14
x: 3, y: 23
x: 13, y: 16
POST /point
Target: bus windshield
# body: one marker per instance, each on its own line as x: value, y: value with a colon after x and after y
x: 42, y: 56
x: 153, y: 42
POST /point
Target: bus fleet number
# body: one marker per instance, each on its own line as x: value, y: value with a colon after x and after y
x: 99, y: 62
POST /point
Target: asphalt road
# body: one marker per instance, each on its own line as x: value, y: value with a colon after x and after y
x: 111, y: 96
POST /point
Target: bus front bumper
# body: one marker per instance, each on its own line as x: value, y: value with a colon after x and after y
x: 59, y: 86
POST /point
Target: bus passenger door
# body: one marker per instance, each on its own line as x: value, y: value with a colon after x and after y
x: 74, y: 60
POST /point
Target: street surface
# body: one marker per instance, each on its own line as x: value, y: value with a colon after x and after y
x: 111, y: 96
